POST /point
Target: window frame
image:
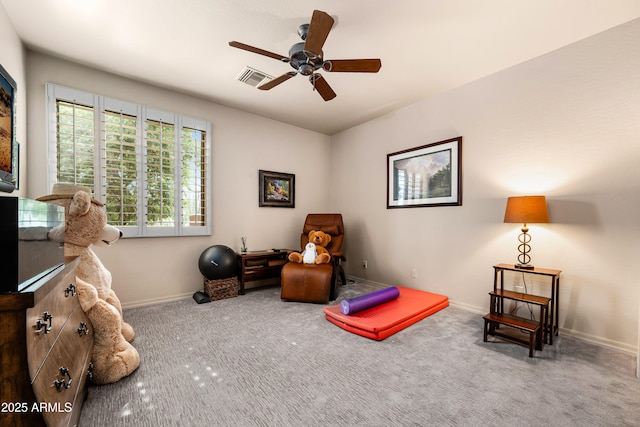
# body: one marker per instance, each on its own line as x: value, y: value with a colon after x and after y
x: 100, y: 104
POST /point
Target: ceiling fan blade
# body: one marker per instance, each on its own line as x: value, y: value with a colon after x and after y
x: 258, y: 51
x: 323, y: 88
x: 352, y: 65
x: 275, y: 82
x: 319, y: 27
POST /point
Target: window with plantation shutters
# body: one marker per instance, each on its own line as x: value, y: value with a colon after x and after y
x: 149, y: 167
x: 161, y: 173
x: 194, y: 179
x: 74, y: 143
x: 121, y: 168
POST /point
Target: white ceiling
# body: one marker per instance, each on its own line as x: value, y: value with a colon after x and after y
x: 426, y: 46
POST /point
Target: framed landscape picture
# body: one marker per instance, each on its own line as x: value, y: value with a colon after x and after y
x: 430, y: 175
x: 8, y: 143
x: 276, y: 189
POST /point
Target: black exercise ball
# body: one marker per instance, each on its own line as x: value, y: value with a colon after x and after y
x: 218, y: 262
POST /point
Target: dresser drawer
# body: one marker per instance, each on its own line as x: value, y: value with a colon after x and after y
x: 48, y: 316
x: 61, y: 380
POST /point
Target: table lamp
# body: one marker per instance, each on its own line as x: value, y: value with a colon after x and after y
x: 526, y: 210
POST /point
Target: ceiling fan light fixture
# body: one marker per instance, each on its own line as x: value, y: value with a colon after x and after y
x: 305, y: 69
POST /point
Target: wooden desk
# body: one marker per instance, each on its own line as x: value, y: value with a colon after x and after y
x: 554, y: 275
x: 260, y: 265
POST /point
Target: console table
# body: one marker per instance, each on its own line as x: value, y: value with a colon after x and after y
x: 260, y: 265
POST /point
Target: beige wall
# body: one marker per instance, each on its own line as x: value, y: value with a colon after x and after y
x: 12, y: 58
x: 565, y: 125
x: 157, y: 269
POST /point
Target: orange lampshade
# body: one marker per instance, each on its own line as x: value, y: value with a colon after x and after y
x: 526, y: 210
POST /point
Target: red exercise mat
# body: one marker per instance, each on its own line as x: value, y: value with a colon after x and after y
x: 386, y: 319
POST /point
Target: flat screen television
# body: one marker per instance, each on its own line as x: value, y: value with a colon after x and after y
x: 28, y: 253
x: 8, y: 144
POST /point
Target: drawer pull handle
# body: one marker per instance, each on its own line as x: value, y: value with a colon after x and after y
x: 83, y: 329
x: 41, y: 325
x: 71, y: 289
x: 63, y: 384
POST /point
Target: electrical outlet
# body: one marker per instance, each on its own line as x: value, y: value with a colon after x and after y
x: 414, y: 273
x: 364, y: 264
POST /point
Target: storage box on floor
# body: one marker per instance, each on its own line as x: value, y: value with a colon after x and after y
x: 221, y: 288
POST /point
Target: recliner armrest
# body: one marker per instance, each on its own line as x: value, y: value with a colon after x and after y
x: 339, y: 255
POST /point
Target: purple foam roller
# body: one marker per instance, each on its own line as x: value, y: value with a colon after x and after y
x: 362, y: 302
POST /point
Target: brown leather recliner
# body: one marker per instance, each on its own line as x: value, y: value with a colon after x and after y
x: 316, y: 283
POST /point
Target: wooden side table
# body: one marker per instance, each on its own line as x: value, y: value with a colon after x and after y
x: 260, y: 265
x: 551, y: 328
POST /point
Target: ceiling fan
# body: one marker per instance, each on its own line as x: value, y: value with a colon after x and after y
x: 307, y: 58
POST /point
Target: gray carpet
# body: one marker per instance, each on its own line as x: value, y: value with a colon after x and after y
x: 257, y: 361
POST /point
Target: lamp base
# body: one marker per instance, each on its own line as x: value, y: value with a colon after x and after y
x: 524, y: 266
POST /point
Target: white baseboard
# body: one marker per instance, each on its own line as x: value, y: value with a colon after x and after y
x: 603, y: 342
x: 154, y: 301
x: 360, y: 279
x: 472, y: 308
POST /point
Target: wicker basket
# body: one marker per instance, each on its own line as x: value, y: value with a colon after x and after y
x: 221, y: 288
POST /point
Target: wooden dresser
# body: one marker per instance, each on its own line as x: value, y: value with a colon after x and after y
x: 46, y: 344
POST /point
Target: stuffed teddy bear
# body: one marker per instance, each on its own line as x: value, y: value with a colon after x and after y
x: 321, y: 240
x: 86, y: 224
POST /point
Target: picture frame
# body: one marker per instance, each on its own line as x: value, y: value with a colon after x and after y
x: 425, y: 176
x: 8, y: 147
x: 276, y: 189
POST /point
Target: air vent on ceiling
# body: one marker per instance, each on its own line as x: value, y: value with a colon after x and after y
x: 253, y: 77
